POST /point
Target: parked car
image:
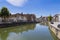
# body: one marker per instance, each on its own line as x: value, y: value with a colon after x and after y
x: 51, y: 22
x: 58, y: 25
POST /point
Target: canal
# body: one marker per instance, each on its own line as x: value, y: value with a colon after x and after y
x: 27, y: 32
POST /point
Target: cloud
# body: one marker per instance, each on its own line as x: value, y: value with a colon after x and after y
x: 17, y: 2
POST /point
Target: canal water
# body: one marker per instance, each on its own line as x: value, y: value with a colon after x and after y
x: 27, y: 32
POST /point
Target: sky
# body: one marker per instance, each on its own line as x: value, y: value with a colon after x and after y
x: 37, y: 7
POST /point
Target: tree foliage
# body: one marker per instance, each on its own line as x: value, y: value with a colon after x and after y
x: 50, y: 18
x: 4, y: 12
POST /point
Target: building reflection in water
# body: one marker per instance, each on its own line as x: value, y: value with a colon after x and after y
x: 15, y: 33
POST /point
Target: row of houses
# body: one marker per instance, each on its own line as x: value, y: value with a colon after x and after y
x: 20, y: 18
x: 55, y: 18
x: 43, y: 19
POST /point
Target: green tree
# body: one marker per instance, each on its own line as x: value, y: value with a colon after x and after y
x: 0, y: 14
x: 50, y: 18
x: 4, y: 13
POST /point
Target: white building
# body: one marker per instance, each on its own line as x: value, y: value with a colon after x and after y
x: 17, y: 18
x: 20, y: 18
x: 56, y: 18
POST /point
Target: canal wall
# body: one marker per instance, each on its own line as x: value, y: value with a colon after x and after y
x: 55, y: 29
x: 10, y: 24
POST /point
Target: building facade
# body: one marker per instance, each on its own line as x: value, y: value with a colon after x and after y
x: 22, y: 18
x: 56, y: 18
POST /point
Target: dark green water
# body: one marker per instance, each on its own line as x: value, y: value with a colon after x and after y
x: 26, y: 32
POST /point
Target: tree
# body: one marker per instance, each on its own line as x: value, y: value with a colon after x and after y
x: 0, y: 14
x: 4, y: 13
x: 50, y: 18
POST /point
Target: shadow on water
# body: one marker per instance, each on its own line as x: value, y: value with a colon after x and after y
x: 4, y: 32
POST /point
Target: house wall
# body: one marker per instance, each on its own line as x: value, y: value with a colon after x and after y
x: 20, y: 18
x: 59, y: 18
x: 13, y: 19
x: 24, y: 18
x: 0, y: 19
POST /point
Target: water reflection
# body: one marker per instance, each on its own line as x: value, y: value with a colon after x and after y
x: 26, y: 32
x: 14, y: 33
